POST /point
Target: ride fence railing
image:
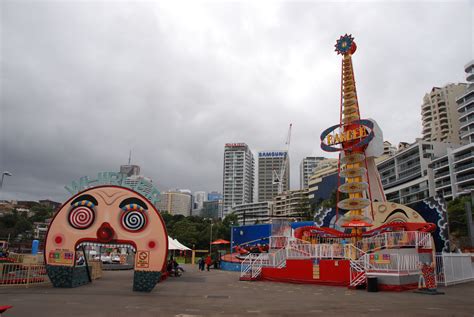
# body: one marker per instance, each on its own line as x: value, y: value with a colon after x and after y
x: 20, y: 274
x: 300, y: 249
x: 392, y: 263
x: 278, y: 242
x: 454, y: 268
x: 397, y: 239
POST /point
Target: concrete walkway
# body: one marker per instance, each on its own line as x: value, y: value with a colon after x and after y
x: 220, y: 293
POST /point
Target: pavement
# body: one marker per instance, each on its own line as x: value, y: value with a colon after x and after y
x: 220, y: 293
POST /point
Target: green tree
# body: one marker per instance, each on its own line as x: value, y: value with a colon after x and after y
x: 457, y: 216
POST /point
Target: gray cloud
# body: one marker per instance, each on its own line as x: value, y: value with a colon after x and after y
x: 84, y: 82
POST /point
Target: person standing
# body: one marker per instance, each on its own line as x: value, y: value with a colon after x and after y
x: 208, y: 262
x: 201, y: 264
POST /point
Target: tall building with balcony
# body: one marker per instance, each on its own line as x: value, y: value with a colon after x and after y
x: 453, y: 174
x: 292, y: 204
x: 439, y: 113
x: 238, y: 176
x: 252, y: 213
x: 307, y: 167
x: 270, y: 164
x: 466, y: 107
x: 406, y: 177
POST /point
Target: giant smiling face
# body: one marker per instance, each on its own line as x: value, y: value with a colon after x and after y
x: 107, y: 216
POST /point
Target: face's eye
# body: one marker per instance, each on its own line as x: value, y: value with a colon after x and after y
x: 82, y: 215
x: 134, y: 218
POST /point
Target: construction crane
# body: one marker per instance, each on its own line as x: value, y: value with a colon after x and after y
x: 279, y: 175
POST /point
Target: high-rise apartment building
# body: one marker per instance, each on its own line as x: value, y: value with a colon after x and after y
x: 239, y: 176
x: 406, y: 177
x: 270, y: 166
x: 439, y: 113
x: 466, y: 107
x: 307, y: 166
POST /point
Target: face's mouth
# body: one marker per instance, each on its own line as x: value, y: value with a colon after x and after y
x: 111, y: 244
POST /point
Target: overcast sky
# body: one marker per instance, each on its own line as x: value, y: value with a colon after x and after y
x: 84, y: 82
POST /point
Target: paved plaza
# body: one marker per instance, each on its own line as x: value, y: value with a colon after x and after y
x: 220, y: 293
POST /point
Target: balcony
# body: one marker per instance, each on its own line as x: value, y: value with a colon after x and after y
x: 441, y: 175
x: 465, y: 179
x: 463, y: 167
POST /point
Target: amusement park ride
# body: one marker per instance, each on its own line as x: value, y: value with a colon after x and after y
x: 373, y: 238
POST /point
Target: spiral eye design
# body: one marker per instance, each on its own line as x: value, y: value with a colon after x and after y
x: 133, y: 218
x: 81, y: 217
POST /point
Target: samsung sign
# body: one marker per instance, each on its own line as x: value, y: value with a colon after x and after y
x: 272, y: 154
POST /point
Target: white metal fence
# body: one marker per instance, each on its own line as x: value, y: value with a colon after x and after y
x: 19, y: 274
x: 454, y: 268
x: 397, y: 263
x: 395, y: 240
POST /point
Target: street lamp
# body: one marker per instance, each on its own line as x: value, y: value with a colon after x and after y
x: 3, y: 175
x: 210, y: 239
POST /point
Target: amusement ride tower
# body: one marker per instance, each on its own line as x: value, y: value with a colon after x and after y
x: 351, y: 137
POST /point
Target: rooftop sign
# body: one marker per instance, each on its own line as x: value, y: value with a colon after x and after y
x: 272, y: 154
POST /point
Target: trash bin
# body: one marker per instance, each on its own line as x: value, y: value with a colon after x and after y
x: 372, y: 284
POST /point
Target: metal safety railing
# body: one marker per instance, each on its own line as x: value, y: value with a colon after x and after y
x: 454, y: 268
x: 19, y: 274
x: 395, y: 263
x: 397, y: 239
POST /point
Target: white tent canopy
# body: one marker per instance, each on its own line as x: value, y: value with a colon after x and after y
x: 174, y: 244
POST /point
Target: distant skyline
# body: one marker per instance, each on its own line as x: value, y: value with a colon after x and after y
x: 83, y: 82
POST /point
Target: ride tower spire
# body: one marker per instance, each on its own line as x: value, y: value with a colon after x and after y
x: 351, y: 140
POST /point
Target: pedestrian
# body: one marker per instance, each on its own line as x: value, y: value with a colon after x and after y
x: 201, y: 263
x: 208, y: 262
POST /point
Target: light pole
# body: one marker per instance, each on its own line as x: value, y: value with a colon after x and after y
x: 210, y: 240
x: 3, y: 175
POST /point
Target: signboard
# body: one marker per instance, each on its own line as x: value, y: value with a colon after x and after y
x: 336, y: 138
x: 380, y: 258
x: 272, y: 154
x: 235, y: 145
x: 60, y: 256
x: 143, y: 259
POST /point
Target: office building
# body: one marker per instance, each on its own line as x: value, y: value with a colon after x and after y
x: 405, y: 176
x: 466, y: 107
x: 271, y: 165
x: 252, y: 213
x: 130, y: 170
x: 199, y: 198
x: 307, y: 166
x: 323, y: 182
x: 213, y: 196
x: 453, y: 173
x: 176, y: 202
x: 238, y: 176
x: 439, y: 113
x: 212, y: 209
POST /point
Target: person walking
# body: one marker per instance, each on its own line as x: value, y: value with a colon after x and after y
x: 208, y: 262
x: 201, y: 264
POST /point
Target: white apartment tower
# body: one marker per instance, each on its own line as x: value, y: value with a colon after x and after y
x: 439, y: 113
x: 270, y: 166
x: 466, y: 107
x: 238, y: 176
